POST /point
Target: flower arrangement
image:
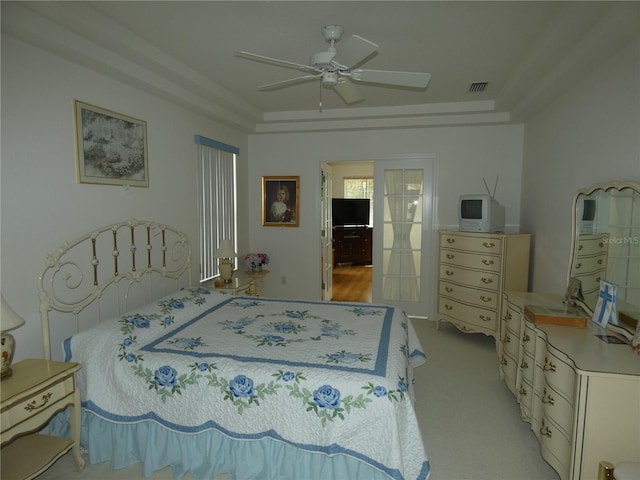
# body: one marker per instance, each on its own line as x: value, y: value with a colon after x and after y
x: 255, y: 261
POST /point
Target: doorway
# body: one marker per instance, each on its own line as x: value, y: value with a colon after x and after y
x: 351, y: 272
x: 403, y: 236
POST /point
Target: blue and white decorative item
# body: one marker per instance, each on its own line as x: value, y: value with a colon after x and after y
x: 606, y: 307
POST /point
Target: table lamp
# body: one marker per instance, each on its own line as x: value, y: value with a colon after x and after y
x: 226, y: 254
x: 9, y: 320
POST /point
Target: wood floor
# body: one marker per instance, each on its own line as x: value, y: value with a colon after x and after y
x: 352, y: 283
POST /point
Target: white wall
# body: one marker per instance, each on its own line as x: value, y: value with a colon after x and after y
x: 464, y: 155
x: 43, y: 206
x: 590, y: 135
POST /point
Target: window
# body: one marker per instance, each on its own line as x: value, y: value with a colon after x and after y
x: 216, y: 200
x: 360, y: 187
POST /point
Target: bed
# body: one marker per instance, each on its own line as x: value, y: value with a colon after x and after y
x: 210, y: 383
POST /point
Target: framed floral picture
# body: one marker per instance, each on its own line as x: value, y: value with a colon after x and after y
x: 281, y: 201
x: 111, y: 148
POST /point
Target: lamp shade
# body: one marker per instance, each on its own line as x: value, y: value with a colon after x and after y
x: 9, y: 319
x: 226, y: 250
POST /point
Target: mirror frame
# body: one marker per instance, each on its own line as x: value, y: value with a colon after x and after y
x: 605, y: 186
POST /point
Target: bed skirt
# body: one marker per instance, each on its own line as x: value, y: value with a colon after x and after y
x: 208, y: 454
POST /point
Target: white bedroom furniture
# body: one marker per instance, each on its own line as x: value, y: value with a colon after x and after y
x: 240, y: 284
x: 293, y: 385
x: 580, y: 394
x: 579, y: 387
x: 474, y: 270
x: 38, y: 390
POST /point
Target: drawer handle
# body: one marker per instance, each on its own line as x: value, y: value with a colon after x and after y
x: 600, y: 262
x: 524, y: 365
x: 448, y: 307
x: 546, y: 398
x: 507, y: 317
x: 485, y: 299
x: 506, y: 339
x: 485, y: 318
x: 544, y: 430
x: 448, y: 289
x: 526, y: 338
x: 580, y: 247
x: 504, y: 361
x: 451, y: 240
x: 487, y: 262
x: 449, y: 273
x: 450, y: 256
x: 488, y: 245
x: 523, y: 392
x: 486, y: 280
x: 30, y: 407
x: 600, y: 244
x: 578, y: 266
x: 548, y: 366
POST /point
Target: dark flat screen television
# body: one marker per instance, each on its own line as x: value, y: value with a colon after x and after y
x: 350, y: 211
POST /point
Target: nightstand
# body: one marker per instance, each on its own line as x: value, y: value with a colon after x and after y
x: 240, y: 284
x: 36, y: 391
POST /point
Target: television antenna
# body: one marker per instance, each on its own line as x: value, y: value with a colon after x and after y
x: 493, y: 195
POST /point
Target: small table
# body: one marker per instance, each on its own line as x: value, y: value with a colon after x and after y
x: 36, y: 391
x: 240, y: 284
x: 258, y: 277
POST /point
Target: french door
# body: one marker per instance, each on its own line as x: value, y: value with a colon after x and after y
x: 403, y: 237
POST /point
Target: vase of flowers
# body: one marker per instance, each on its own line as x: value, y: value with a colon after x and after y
x: 255, y: 261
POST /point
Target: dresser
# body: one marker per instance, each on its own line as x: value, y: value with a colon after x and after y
x: 580, y: 394
x: 474, y: 270
x: 36, y: 391
x: 352, y: 245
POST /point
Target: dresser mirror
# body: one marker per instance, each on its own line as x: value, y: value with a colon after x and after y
x: 606, y: 245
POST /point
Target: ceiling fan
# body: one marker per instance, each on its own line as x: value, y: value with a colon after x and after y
x: 336, y: 68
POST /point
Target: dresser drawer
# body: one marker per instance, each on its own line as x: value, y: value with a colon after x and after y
x: 510, y: 344
x: 470, y: 260
x: 30, y: 407
x: 555, y: 448
x: 595, y: 263
x: 558, y: 411
x: 471, y: 243
x: 481, y: 298
x: 467, y: 313
x: 591, y: 245
x: 471, y: 278
x: 560, y: 376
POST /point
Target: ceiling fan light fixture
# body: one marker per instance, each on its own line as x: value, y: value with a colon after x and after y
x: 330, y: 78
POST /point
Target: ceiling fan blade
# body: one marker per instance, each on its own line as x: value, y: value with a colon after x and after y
x: 348, y: 92
x: 275, y: 61
x: 354, y: 50
x: 401, y: 79
x: 286, y: 83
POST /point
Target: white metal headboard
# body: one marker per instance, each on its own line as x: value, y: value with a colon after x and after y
x: 107, y: 266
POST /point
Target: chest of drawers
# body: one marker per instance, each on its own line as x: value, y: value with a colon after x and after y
x: 474, y: 270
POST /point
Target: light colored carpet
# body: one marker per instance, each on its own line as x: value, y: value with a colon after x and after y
x: 470, y: 421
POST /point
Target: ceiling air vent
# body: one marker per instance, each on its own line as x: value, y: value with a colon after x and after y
x: 477, y: 87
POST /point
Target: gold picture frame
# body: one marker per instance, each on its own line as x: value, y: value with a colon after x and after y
x: 111, y: 148
x: 281, y: 201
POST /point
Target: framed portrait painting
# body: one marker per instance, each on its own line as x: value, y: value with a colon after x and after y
x: 111, y: 148
x: 281, y: 201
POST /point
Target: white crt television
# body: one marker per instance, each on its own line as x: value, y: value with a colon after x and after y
x: 480, y: 213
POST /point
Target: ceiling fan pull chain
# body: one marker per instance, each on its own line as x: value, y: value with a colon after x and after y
x: 320, y: 103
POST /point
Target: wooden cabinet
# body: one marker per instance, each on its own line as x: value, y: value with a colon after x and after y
x: 474, y: 270
x: 579, y: 393
x: 352, y: 245
x: 36, y: 391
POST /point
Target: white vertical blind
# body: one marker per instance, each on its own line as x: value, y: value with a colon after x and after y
x: 216, y: 200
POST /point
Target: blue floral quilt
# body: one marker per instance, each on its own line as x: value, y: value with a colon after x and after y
x: 333, y: 378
